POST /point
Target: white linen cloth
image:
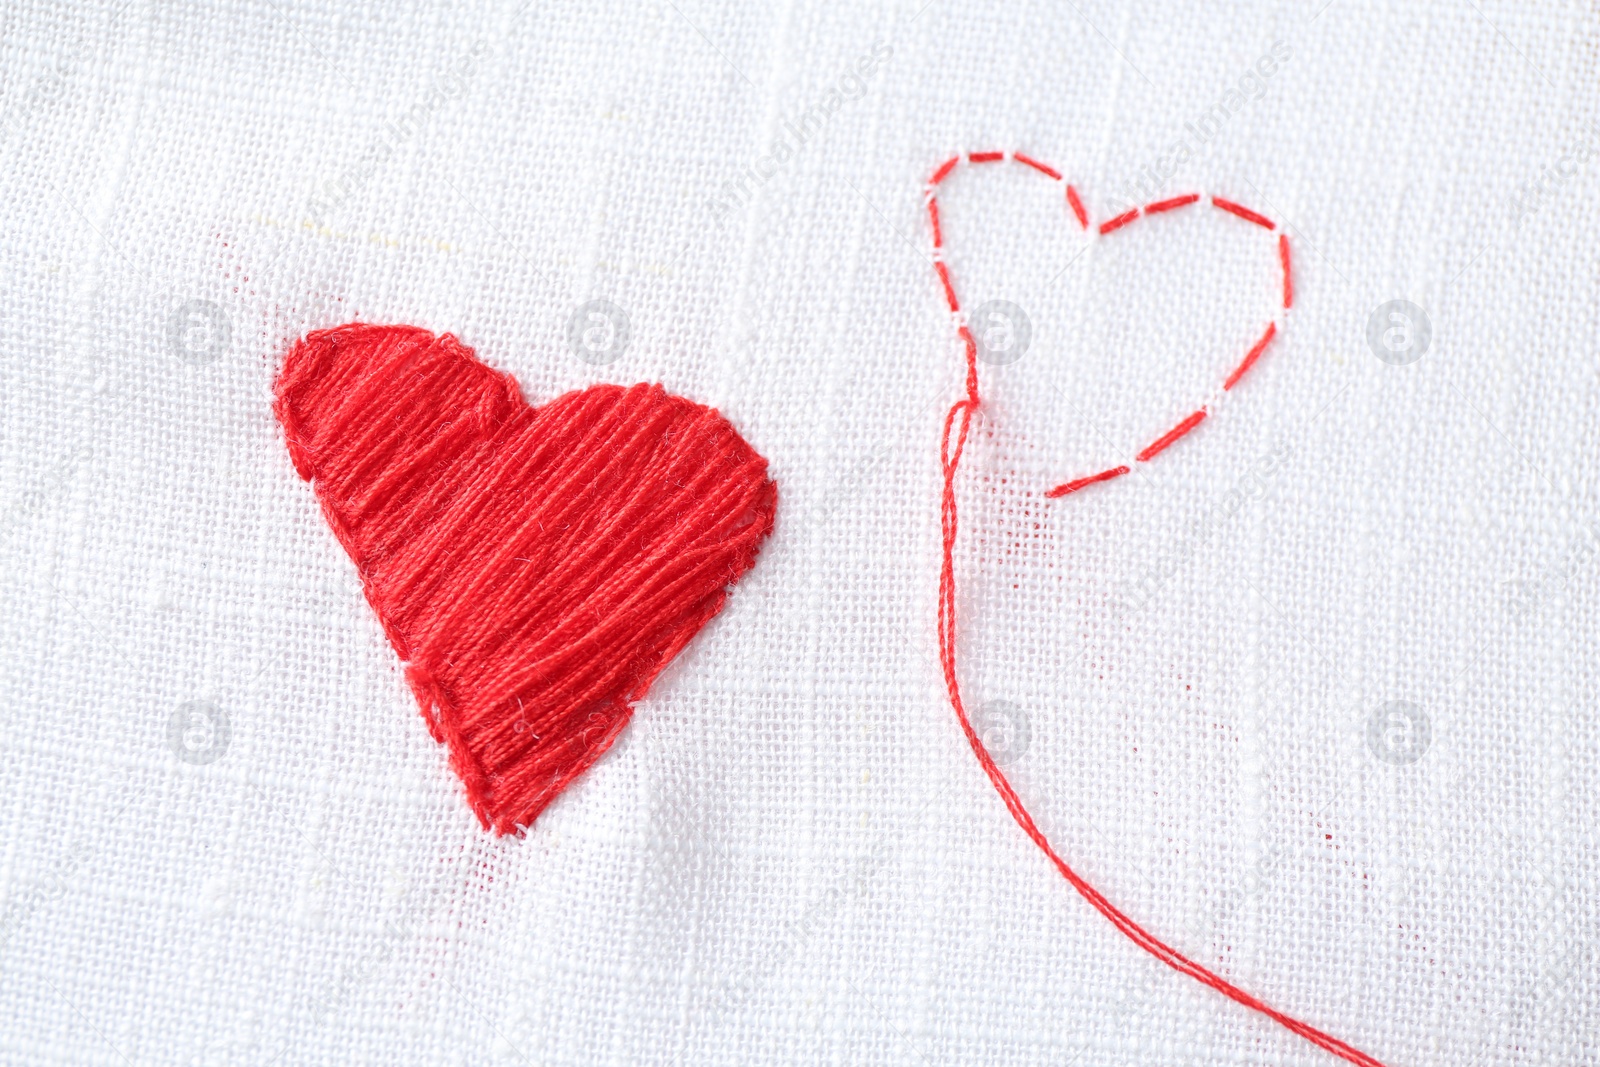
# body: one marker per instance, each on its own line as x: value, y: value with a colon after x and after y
x: 227, y: 837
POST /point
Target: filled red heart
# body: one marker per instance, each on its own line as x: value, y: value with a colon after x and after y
x: 535, y: 568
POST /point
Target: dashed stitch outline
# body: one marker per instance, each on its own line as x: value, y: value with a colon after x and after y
x: 1110, y: 226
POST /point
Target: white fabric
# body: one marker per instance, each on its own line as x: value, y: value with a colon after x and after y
x: 793, y: 858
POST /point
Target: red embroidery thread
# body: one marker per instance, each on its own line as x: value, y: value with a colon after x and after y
x: 1171, y: 205
x: 1288, y: 281
x: 1244, y: 212
x: 1077, y: 208
x: 952, y: 444
x: 1251, y: 356
x: 1048, y: 172
x: 1165, y: 441
x: 535, y: 568
x: 1111, y: 225
x: 1074, y: 486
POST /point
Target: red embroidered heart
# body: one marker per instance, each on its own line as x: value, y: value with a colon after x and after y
x: 535, y: 568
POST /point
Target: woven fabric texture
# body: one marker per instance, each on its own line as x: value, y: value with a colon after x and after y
x: 1312, y: 695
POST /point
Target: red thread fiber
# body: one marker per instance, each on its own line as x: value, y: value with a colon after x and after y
x: 1081, y: 483
x: 1244, y: 212
x: 1077, y: 208
x: 1162, y: 443
x: 952, y: 444
x: 1251, y: 356
x: 535, y: 568
x: 1171, y: 205
x: 949, y: 290
x: 1047, y: 171
x: 1288, y: 279
x: 1112, y: 225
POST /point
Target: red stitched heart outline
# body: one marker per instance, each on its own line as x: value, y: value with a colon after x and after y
x: 1113, y: 225
x: 952, y: 443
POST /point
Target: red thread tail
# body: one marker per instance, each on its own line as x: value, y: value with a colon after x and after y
x: 1244, y: 212
x: 1250, y: 357
x: 1074, y: 486
x: 1166, y: 440
x: 1077, y: 208
x: 1288, y: 278
x: 1171, y: 205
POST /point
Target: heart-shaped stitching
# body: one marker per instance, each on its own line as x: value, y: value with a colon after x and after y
x: 952, y: 444
x: 535, y: 568
x: 1113, y: 225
